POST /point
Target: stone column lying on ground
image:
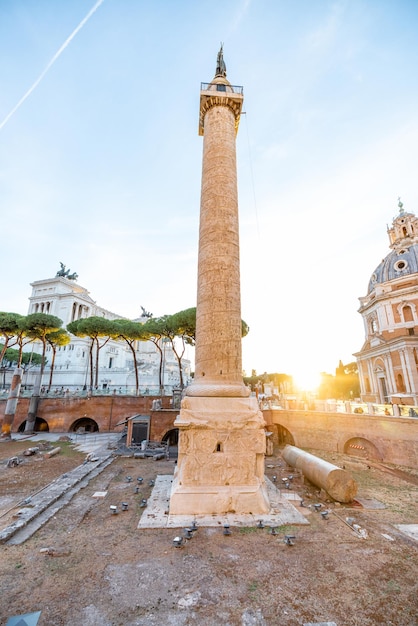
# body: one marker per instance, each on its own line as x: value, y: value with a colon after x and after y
x: 337, y: 483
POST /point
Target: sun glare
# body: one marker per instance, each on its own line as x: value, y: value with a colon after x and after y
x: 306, y: 380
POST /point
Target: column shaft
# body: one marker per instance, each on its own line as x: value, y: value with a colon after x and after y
x: 218, y: 369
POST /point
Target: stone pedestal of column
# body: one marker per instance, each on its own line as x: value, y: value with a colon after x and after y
x: 220, y: 467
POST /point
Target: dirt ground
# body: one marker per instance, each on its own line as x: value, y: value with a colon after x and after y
x: 101, y: 570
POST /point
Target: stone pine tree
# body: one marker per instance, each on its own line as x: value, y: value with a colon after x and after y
x: 181, y: 325
x: 154, y: 333
x: 100, y: 331
x: 14, y: 357
x: 130, y: 332
x: 37, y: 326
x: 76, y: 329
x: 11, y: 327
x: 55, y: 340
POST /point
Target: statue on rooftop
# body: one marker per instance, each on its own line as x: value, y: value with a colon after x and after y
x: 146, y: 313
x: 220, y: 63
x: 64, y: 273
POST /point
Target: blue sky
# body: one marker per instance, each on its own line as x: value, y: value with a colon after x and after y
x: 100, y: 165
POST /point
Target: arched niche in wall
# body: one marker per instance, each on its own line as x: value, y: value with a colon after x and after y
x: 84, y: 425
x: 363, y: 448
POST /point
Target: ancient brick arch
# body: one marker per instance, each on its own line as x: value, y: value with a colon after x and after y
x: 284, y: 436
x: 171, y: 437
x: 363, y: 448
x: 41, y: 425
x: 84, y: 424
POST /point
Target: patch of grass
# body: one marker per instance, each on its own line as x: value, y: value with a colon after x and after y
x: 67, y: 449
x: 393, y: 587
x: 253, y: 590
x: 285, y: 529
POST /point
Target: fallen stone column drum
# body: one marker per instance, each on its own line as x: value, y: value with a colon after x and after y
x: 335, y: 481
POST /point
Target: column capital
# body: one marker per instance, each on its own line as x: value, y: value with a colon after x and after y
x: 220, y: 93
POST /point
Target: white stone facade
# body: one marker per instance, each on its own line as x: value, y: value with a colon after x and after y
x: 69, y: 301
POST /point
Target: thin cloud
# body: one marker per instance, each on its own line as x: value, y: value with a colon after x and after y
x: 51, y: 63
x: 239, y: 16
x: 324, y: 36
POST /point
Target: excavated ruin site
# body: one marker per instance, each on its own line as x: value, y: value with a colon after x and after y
x: 80, y: 563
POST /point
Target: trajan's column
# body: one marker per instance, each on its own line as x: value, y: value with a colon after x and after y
x: 222, y: 441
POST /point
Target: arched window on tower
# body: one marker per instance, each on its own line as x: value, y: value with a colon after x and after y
x: 374, y: 326
x: 73, y: 312
x: 405, y: 232
x: 407, y: 313
x: 400, y: 383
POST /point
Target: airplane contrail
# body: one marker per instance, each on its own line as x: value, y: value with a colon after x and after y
x: 51, y: 63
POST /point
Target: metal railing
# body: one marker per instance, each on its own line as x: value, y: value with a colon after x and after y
x: 235, y: 88
x: 341, y: 406
x: 86, y: 393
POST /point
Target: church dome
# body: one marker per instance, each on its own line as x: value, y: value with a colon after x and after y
x: 403, y: 258
x: 396, y: 264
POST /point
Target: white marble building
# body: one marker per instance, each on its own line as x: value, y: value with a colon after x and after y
x: 66, y: 299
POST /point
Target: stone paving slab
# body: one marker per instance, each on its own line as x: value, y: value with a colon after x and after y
x: 370, y: 503
x: 87, y: 442
x: 44, y: 504
x: 409, y: 529
x: 156, y: 514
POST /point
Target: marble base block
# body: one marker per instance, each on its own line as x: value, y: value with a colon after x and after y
x: 220, y: 467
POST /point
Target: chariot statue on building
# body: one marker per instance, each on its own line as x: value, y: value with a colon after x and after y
x: 64, y: 273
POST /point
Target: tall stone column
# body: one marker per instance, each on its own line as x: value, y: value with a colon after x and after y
x: 218, y: 364
x: 222, y: 442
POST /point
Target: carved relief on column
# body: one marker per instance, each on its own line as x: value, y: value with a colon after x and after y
x: 218, y: 370
x: 220, y: 457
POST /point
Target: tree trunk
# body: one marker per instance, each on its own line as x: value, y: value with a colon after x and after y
x: 179, y: 358
x: 3, y: 352
x: 96, y: 373
x: 160, y: 373
x: 91, y: 364
x: 54, y: 351
x: 130, y: 344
